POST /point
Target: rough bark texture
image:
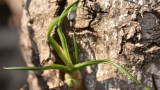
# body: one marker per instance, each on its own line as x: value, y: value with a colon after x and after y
x: 127, y: 32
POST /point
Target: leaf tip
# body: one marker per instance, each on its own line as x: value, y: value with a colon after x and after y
x: 5, y: 68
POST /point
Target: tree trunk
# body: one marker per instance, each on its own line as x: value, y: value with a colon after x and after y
x: 124, y: 31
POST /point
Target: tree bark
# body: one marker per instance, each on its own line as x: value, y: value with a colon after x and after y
x: 126, y: 32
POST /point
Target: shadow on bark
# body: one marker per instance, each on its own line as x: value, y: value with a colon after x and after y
x: 36, y: 61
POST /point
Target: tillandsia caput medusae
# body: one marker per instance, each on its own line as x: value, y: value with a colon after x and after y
x: 73, y: 76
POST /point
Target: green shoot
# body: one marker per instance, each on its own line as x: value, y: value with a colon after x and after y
x: 73, y: 77
x: 56, y: 46
x: 76, y: 49
x: 60, y: 33
x: 68, y: 62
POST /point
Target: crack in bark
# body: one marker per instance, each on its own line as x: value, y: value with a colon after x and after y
x: 154, y: 83
x: 49, y: 56
x: 122, y: 44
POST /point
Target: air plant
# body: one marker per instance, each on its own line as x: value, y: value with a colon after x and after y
x: 73, y: 76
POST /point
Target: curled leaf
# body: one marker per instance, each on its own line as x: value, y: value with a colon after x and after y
x: 87, y: 63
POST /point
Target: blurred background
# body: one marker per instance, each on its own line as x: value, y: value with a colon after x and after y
x: 10, y: 21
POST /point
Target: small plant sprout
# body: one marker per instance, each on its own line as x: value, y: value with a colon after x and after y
x: 73, y: 76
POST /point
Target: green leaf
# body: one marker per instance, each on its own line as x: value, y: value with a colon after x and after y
x: 54, y: 66
x: 68, y: 8
x: 53, y: 23
x: 64, y: 44
x: 76, y: 48
x: 87, y: 63
x: 60, y: 33
x: 60, y: 53
x: 55, y: 44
